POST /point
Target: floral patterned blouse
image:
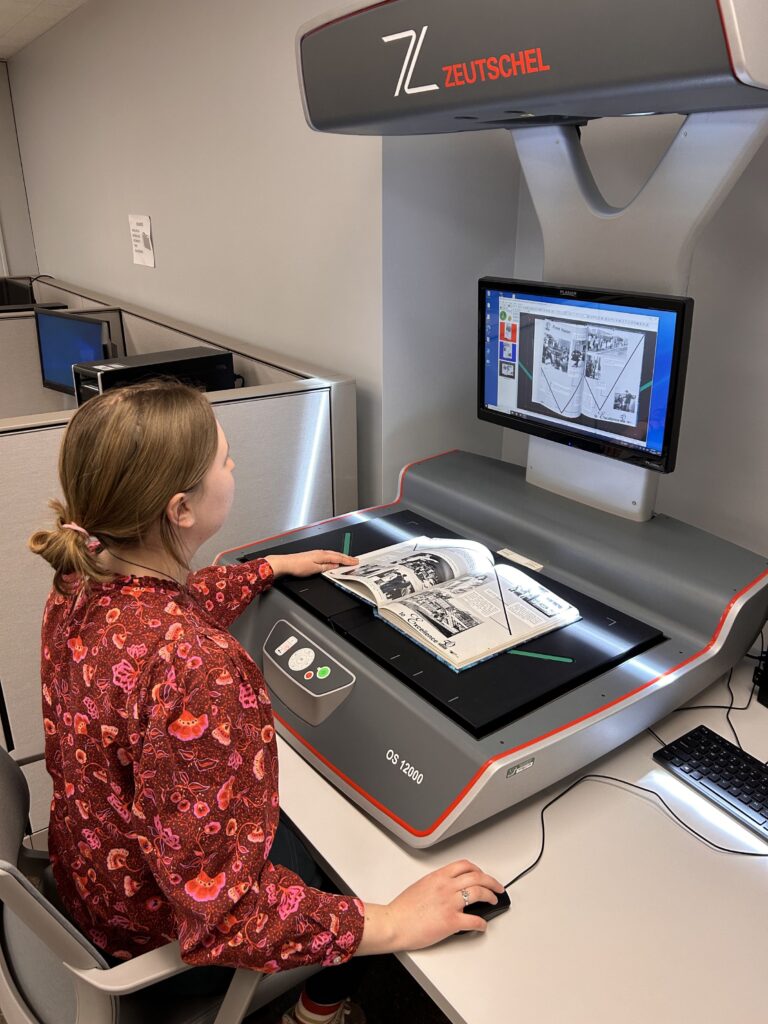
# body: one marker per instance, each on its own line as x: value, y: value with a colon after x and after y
x: 161, y: 745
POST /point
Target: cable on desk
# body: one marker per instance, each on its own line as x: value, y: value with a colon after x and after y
x: 761, y: 668
x: 728, y: 708
x: 658, y: 739
x: 761, y: 655
x: 719, y: 707
x: 594, y: 777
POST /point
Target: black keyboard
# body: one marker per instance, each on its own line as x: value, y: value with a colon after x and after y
x: 729, y: 777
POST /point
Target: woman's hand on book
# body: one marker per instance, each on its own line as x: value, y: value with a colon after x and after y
x: 308, y: 563
x: 429, y: 910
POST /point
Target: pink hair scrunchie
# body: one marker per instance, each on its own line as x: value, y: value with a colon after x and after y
x: 93, y: 543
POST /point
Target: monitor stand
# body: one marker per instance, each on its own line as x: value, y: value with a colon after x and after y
x: 646, y: 245
x: 611, y: 486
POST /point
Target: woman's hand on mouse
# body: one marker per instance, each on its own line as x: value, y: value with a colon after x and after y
x: 308, y: 563
x: 429, y: 910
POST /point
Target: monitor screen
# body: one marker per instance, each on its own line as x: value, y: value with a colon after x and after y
x: 589, y: 368
x: 64, y: 339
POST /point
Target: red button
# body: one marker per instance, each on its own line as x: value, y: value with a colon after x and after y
x: 309, y: 675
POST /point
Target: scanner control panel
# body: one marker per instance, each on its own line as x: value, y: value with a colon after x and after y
x: 306, y: 678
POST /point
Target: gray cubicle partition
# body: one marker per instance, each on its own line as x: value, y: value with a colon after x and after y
x: 21, y: 389
x: 293, y: 438
x: 146, y: 331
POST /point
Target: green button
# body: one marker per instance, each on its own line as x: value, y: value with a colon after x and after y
x: 323, y: 672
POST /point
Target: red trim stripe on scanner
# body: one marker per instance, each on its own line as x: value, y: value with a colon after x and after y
x: 725, y: 37
x: 512, y: 750
x: 321, y: 522
x: 349, y: 14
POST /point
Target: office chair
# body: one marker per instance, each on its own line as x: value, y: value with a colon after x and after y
x: 51, y: 974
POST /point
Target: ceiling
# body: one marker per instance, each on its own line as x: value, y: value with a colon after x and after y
x: 21, y: 21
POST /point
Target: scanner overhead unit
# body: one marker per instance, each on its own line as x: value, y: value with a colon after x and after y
x: 412, y: 67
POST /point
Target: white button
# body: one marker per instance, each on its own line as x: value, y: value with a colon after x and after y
x: 302, y: 659
x: 286, y: 645
x: 337, y: 960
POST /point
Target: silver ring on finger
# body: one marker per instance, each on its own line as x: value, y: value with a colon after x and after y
x: 465, y: 896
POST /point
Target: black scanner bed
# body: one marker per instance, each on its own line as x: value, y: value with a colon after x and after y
x: 489, y: 695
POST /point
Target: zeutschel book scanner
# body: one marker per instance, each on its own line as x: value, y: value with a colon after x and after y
x: 666, y: 608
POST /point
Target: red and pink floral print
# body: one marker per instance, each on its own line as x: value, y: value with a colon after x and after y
x: 160, y: 742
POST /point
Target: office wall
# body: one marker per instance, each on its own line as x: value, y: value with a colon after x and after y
x: 449, y: 217
x: 189, y: 111
x: 14, y: 213
x: 720, y: 482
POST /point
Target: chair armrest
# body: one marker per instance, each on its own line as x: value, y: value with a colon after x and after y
x: 28, y: 759
x: 138, y: 973
x: 33, y: 862
x: 29, y: 856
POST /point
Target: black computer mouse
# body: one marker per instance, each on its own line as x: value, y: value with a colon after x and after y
x: 489, y: 910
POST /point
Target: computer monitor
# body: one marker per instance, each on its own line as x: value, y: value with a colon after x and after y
x: 593, y: 369
x: 16, y: 291
x: 64, y: 339
x: 113, y: 319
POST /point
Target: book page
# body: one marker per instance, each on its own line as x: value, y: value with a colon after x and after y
x: 529, y: 601
x: 465, y: 620
x: 558, y: 365
x: 612, y: 374
x: 411, y: 567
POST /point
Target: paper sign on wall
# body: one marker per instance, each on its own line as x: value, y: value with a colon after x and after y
x: 141, y: 239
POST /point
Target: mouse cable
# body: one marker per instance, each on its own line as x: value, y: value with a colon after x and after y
x: 728, y: 708
x: 596, y: 777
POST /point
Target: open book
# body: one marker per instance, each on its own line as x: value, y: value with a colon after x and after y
x: 448, y: 596
x: 587, y: 370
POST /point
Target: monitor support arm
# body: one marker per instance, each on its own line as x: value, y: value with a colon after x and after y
x: 647, y: 244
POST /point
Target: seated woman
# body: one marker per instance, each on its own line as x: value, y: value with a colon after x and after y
x: 159, y: 733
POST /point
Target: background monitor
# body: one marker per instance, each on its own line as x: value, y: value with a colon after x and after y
x: 64, y: 339
x: 16, y: 291
x: 113, y: 318
x: 594, y: 369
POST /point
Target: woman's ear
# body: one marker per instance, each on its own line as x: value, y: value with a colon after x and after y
x: 179, y: 512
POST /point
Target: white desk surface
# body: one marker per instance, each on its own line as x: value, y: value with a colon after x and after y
x: 627, y: 918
